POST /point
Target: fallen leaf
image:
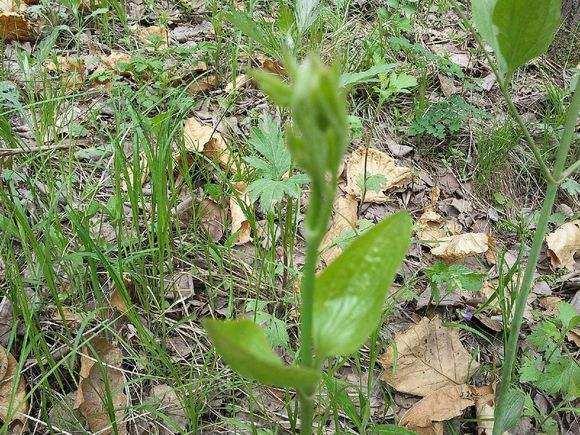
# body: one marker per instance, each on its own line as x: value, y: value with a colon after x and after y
x: 147, y: 35
x: 344, y: 218
x: 484, y: 409
x: 204, y: 83
x: 240, y: 223
x: 460, y: 246
x: 202, y: 138
x: 100, y: 379
x: 440, y: 405
x: 380, y: 167
x: 563, y: 244
x: 431, y: 228
x: 180, y: 286
x: 212, y: 219
x: 426, y: 357
x: 551, y: 305
x: 168, y: 404
x: 14, y: 25
x: 574, y: 336
x: 240, y: 81
x: 396, y: 148
x: 71, y: 68
x: 271, y: 65
x: 13, y: 403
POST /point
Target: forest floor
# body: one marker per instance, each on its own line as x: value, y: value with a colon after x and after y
x: 141, y: 191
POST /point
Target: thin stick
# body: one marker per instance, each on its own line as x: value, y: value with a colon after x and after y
x: 6, y: 152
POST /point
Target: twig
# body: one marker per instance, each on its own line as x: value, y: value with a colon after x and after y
x: 6, y: 152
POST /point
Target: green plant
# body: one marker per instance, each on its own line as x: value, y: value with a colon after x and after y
x: 518, y: 31
x: 444, y: 117
x: 272, y: 164
x: 342, y: 305
x: 550, y: 370
x: 452, y: 277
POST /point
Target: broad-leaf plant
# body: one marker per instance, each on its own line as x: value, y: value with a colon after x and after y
x: 342, y: 305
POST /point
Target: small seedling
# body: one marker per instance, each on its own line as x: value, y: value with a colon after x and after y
x: 342, y: 305
x: 447, y: 278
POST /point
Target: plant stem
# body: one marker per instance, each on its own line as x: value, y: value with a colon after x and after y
x: 539, y: 235
x: 503, y: 87
x: 319, y: 210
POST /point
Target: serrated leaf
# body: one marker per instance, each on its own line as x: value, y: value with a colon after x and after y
x: 350, y: 293
x: 244, y: 346
x: 517, y: 30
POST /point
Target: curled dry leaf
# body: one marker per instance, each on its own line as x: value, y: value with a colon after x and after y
x: 440, y: 405
x: 13, y: 403
x: 484, y: 409
x: 460, y: 246
x: 202, y: 138
x: 168, y: 404
x: 344, y: 218
x: 101, y: 381
x: 563, y: 244
x: 14, y: 26
x: 427, y: 356
x: 240, y: 223
x: 431, y: 228
x: 381, y: 172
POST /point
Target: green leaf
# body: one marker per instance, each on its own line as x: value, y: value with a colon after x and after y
x: 244, y: 346
x: 390, y: 429
x: 366, y: 76
x: 567, y: 315
x: 350, y: 293
x: 518, y: 30
x: 512, y: 413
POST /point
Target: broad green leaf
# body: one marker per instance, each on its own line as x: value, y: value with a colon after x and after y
x: 244, y: 346
x: 350, y: 293
x: 517, y: 30
x: 512, y: 412
x: 369, y: 75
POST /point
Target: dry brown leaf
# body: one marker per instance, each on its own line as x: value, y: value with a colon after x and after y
x: 180, y: 286
x: 212, y: 219
x: 205, y: 83
x: 13, y: 401
x: 574, y: 336
x: 440, y: 405
x: 344, y: 218
x: 379, y: 164
x: 14, y: 26
x: 428, y: 356
x: 431, y: 228
x: 271, y: 65
x: 484, y: 409
x: 205, y: 139
x: 563, y: 244
x: 551, y: 305
x: 240, y: 223
x: 238, y: 83
x: 73, y: 66
x: 148, y: 34
x: 169, y: 404
x: 99, y: 380
x: 454, y: 248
